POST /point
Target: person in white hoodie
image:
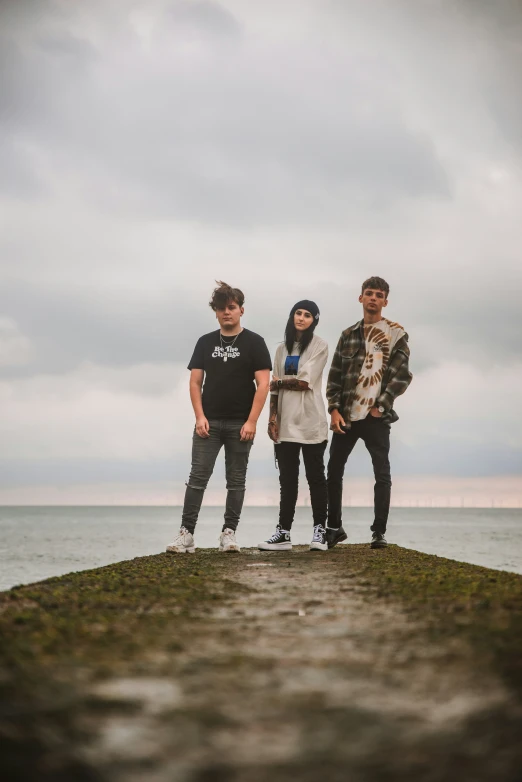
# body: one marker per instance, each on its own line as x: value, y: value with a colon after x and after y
x: 298, y: 423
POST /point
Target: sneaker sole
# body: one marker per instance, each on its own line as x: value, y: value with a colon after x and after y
x: 274, y: 546
x: 318, y: 546
x: 339, y: 540
x: 180, y: 550
x: 378, y: 545
x: 236, y: 550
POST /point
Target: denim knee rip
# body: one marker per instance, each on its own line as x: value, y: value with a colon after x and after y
x: 198, y: 488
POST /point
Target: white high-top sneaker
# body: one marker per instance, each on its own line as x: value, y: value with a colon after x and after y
x: 227, y: 541
x: 319, y: 542
x: 183, y: 543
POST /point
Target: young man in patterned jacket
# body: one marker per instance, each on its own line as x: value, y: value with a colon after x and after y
x: 369, y: 370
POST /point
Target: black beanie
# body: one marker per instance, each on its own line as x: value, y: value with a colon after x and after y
x: 310, y: 306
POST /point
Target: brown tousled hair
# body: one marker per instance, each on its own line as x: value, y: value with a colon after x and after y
x: 225, y: 293
x: 377, y: 283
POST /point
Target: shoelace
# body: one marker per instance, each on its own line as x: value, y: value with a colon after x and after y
x: 275, y: 537
x: 181, y: 535
x: 319, y: 531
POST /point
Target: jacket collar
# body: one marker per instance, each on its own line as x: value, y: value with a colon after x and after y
x: 358, y: 325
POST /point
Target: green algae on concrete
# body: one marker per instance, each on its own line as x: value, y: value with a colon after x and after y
x: 107, y: 614
x: 454, y: 598
x: 113, y: 613
x: 77, y: 651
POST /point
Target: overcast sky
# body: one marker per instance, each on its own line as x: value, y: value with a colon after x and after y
x: 291, y: 148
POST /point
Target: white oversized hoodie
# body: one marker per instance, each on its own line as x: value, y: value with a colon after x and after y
x: 301, y: 415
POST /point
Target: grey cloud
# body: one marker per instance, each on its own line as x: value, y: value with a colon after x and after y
x: 499, y: 26
x: 73, y: 51
x: 204, y: 122
x: 111, y: 328
x: 494, y: 31
x: 115, y: 328
x: 203, y: 17
x: 38, y: 78
x: 35, y: 84
x: 15, y: 83
x: 500, y: 90
x: 20, y: 178
x: 97, y: 326
x: 215, y: 137
x: 465, y: 320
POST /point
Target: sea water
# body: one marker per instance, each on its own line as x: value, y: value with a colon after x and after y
x: 39, y: 542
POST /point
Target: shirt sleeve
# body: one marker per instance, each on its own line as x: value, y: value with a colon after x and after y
x: 334, y: 384
x: 311, y: 370
x: 278, y: 369
x: 198, y: 357
x: 261, y: 357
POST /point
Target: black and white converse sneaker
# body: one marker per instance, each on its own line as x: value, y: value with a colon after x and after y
x: 335, y: 535
x: 280, y: 541
x: 319, y: 539
x: 378, y: 540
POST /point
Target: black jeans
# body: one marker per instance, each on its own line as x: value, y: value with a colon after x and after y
x: 204, y: 454
x: 376, y: 436
x: 288, y: 460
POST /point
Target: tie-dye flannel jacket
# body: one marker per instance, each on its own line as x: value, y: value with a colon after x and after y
x: 346, y: 367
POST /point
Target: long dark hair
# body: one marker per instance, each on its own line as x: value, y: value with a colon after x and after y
x: 291, y: 335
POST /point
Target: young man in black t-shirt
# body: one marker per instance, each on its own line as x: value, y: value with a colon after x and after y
x: 235, y: 364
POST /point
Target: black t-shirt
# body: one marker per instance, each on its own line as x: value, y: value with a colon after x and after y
x: 229, y: 387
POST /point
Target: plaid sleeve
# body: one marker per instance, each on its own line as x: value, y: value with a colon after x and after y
x: 398, y: 376
x: 334, y: 384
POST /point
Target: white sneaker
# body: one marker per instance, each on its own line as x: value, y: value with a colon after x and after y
x: 319, y: 542
x: 227, y: 541
x: 183, y: 543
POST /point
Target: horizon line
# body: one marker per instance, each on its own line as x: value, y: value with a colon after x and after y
x: 422, y: 505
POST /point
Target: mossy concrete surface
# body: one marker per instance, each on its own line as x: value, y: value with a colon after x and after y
x: 347, y: 665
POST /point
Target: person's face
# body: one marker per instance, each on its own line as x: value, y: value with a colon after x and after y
x: 373, y: 300
x: 303, y: 320
x: 229, y: 316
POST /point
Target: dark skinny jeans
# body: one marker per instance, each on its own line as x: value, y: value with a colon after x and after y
x: 205, y: 450
x: 375, y: 434
x: 288, y: 460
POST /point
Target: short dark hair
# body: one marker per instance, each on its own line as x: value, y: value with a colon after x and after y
x: 225, y: 293
x: 377, y: 283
